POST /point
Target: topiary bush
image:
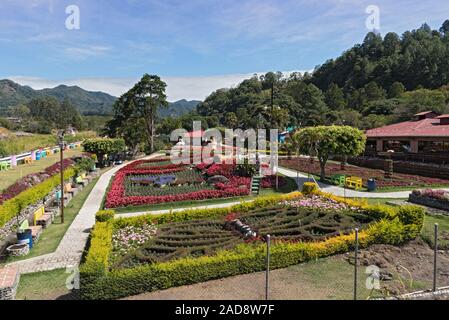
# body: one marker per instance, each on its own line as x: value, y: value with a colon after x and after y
x: 309, y: 188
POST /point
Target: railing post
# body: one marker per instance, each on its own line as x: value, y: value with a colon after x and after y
x: 356, y: 253
x: 435, y: 259
x: 267, y: 274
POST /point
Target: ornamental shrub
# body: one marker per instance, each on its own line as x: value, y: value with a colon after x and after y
x: 104, y: 215
x: 10, y: 208
x: 309, y: 187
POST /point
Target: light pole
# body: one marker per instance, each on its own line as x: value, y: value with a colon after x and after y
x: 61, y: 147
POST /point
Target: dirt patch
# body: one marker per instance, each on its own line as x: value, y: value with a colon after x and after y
x: 406, y: 266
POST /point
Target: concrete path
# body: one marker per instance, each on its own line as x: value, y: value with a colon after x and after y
x: 210, y: 206
x: 71, y: 247
x: 339, y: 191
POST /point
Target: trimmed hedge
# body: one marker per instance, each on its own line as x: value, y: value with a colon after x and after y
x: 104, y: 215
x: 394, y: 226
x: 10, y: 208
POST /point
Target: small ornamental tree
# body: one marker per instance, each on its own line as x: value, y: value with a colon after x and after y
x: 327, y: 141
x: 102, y: 146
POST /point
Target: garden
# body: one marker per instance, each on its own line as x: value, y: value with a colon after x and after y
x: 152, y: 252
x: 398, y: 180
x: 156, y: 181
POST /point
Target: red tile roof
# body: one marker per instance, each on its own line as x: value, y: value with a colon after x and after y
x: 423, y: 128
x: 444, y: 116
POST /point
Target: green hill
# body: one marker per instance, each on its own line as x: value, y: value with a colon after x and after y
x: 86, y: 102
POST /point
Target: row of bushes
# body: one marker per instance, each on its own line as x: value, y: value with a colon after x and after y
x: 393, y: 226
x: 12, y: 207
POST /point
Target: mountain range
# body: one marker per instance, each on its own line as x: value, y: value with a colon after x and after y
x: 87, y: 102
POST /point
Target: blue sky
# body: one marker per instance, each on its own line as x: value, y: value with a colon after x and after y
x: 196, y: 45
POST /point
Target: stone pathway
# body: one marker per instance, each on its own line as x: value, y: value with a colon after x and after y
x: 71, y: 247
x: 210, y: 206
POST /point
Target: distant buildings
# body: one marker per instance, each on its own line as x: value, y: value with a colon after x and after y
x: 427, y: 132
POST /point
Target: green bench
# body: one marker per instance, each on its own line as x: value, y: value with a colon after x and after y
x: 4, y: 165
x: 338, y: 179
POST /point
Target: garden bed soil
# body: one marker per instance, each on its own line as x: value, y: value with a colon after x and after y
x: 412, y: 262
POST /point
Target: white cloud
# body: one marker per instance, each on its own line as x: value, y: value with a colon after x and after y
x: 189, y: 88
x: 85, y: 52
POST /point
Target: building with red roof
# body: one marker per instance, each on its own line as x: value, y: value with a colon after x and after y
x: 427, y: 132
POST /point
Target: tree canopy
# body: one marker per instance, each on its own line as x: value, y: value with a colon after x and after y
x: 324, y: 142
x: 136, y: 112
x: 379, y: 78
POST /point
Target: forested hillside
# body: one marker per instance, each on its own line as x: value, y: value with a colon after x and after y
x: 383, y: 80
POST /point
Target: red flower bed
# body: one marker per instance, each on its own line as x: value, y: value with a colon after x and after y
x: 270, y: 182
x: 33, y: 179
x: 226, y: 170
x: 237, y: 186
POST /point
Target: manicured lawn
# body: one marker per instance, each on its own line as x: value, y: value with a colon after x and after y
x: 9, y: 177
x: 428, y: 231
x: 52, y: 236
x: 46, y: 285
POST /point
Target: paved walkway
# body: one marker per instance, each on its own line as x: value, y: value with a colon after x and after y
x: 71, y: 247
x: 339, y: 191
x: 210, y: 206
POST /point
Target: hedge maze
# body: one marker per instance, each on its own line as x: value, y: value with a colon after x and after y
x: 304, y: 224
x: 178, y: 240
x: 204, y: 237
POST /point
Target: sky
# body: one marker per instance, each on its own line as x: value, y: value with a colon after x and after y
x: 196, y: 46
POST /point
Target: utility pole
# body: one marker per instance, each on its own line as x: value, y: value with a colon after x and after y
x: 61, y: 147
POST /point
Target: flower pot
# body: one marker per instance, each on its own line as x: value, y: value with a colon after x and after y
x: 18, y: 250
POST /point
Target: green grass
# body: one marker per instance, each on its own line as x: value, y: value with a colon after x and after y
x: 290, y: 186
x: 43, y: 285
x: 9, y: 177
x: 428, y: 231
x: 376, y: 201
x: 52, y: 236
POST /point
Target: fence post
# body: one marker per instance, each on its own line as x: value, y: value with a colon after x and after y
x: 356, y: 253
x: 267, y: 274
x: 297, y: 179
x: 435, y: 259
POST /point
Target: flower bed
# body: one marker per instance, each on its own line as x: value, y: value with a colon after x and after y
x: 195, y: 246
x: 398, y: 179
x: 133, y: 186
x: 438, y: 199
x: 32, y: 180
